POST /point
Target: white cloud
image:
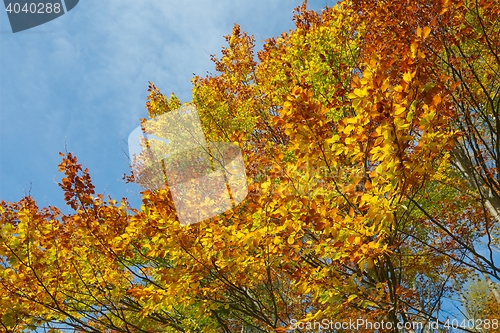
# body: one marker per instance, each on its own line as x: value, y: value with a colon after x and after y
x: 86, y: 82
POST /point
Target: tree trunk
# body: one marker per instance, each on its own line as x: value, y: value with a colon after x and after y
x: 464, y: 164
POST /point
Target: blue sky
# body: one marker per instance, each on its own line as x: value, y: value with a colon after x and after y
x: 81, y: 80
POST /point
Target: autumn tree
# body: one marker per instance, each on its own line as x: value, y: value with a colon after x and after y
x: 452, y: 45
x: 369, y: 135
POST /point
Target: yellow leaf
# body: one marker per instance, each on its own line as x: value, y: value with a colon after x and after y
x: 291, y: 240
x: 358, y: 93
x: 361, y: 264
x: 399, y: 110
x: 413, y: 48
x: 427, y: 31
x: 370, y: 263
x: 333, y: 139
x: 348, y: 129
x: 407, y: 77
x: 352, y: 297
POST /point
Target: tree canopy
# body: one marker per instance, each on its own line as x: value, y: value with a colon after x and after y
x: 370, y: 137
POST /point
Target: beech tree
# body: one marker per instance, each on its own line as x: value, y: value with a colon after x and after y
x: 370, y: 140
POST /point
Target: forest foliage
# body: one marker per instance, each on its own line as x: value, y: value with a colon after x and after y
x: 370, y: 136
